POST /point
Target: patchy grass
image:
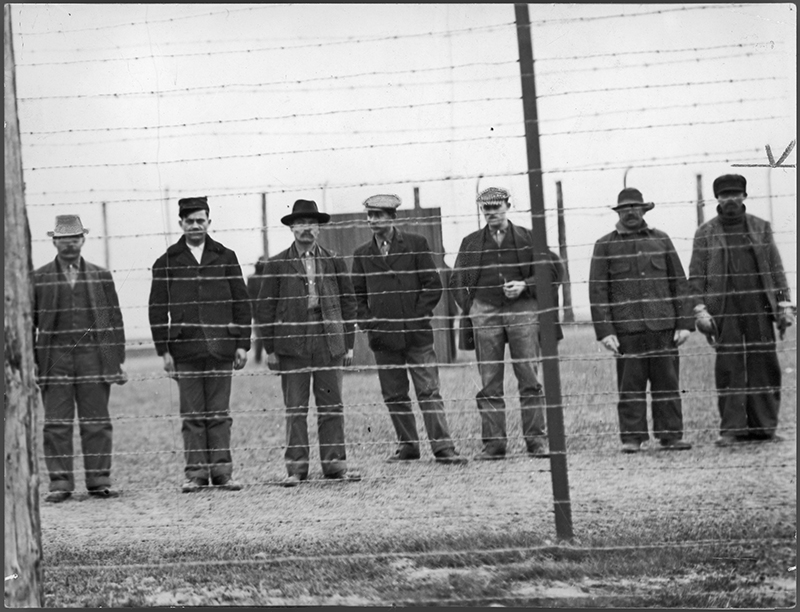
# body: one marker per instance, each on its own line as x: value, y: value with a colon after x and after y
x: 705, y: 528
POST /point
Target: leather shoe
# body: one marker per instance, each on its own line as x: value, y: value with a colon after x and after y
x: 345, y: 476
x: 104, y: 493
x: 631, y: 447
x: 292, y: 480
x: 675, y: 445
x: 726, y: 440
x: 484, y: 456
x: 404, y: 454
x: 56, y: 497
x: 226, y: 483
x: 449, y: 456
x: 193, y: 485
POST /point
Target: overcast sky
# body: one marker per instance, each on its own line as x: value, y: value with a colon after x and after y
x: 138, y: 105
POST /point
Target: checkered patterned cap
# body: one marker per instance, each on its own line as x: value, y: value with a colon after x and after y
x: 382, y: 201
x: 494, y: 195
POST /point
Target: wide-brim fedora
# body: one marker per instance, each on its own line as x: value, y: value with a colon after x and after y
x: 68, y: 226
x: 631, y: 196
x: 307, y: 209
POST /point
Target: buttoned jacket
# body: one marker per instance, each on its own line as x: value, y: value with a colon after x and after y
x: 108, y: 330
x: 396, y: 293
x: 282, y: 304
x: 708, y: 268
x: 210, y: 296
x: 637, y: 284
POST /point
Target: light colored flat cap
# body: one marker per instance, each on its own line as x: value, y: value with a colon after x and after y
x: 493, y: 195
x: 382, y: 201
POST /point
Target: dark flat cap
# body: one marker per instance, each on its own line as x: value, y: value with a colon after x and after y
x: 188, y: 205
x: 730, y: 182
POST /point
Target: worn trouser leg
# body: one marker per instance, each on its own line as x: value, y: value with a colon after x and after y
x: 490, y: 345
x: 632, y: 373
x: 663, y: 366
x: 764, y: 374
x: 327, y: 388
x: 522, y: 330
x: 395, y: 390
x: 296, y: 396
x: 217, y: 389
x: 425, y: 375
x: 730, y: 370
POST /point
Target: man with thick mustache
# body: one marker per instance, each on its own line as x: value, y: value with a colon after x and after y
x: 639, y: 298
x: 739, y: 292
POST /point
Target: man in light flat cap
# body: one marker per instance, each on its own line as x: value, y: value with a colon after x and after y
x: 307, y: 312
x: 495, y: 287
x: 80, y: 347
x: 641, y: 313
x: 740, y: 294
x: 397, y: 287
x: 200, y: 321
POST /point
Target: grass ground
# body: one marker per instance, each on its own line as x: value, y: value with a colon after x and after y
x: 705, y: 528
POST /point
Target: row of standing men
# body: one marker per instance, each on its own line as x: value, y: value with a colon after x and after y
x: 307, y: 305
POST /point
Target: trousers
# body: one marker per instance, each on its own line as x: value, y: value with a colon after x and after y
x: 421, y: 364
x: 204, y: 387
x: 75, y: 388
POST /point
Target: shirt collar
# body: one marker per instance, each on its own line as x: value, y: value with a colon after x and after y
x: 624, y: 230
x: 388, y: 239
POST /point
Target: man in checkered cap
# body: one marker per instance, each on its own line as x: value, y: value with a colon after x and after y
x: 494, y: 284
x: 397, y: 287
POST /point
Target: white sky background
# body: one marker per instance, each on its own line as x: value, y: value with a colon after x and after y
x: 95, y: 69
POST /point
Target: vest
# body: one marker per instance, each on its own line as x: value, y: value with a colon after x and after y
x: 74, y: 316
x: 498, y: 265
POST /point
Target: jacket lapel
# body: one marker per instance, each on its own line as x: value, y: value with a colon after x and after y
x: 399, y: 249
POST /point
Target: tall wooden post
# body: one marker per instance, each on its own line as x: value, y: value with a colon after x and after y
x: 546, y: 303
x: 699, y: 200
x: 105, y: 235
x: 264, y: 237
x: 416, y: 199
x: 566, y: 287
x: 23, y: 545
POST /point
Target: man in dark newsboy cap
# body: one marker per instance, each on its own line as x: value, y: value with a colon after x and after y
x: 740, y: 294
x: 639, y: 298
x: 200, y: 321
x: 307, y: 311
x: 80, y: 347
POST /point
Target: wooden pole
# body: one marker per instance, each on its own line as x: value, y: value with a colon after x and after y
x: 546, y: 303
x: 699, y: 200
x: 566, y: 288
x: 23, y: 545
x: 105, y: 235
x: 264, y: 237
x: 416, y: 198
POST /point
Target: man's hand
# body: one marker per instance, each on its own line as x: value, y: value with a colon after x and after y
x: 273, y: 362
x: 513, y: 289
x: 239, y: 359
x: 703, y: 321
x: 786, y: 317
x: 347, y: 360
x: 169, y: 365
x: 611, y: 342
x: 681, y: 336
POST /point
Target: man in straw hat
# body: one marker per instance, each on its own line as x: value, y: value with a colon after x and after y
x: 397, y: 287
x: 306, y: 310
x: 200, y: 321
x: 80, y: 347
x: 739, y: 293
x: 495, y: 287
x: 640, y: 309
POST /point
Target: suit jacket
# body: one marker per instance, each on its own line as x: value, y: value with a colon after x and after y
x: 282, y: 305
x: 108, y: 326
x: 199, y: 310
x: 466, y: 270
x: 708, y: 268
x: 638, y: 285
x: 396, y: 294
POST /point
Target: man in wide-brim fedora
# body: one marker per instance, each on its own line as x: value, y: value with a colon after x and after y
x: 640, y: 309
x: 80, y: 347
x: 307, y: 310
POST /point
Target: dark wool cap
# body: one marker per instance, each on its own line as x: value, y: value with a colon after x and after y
x: 189, y: 205
x: 730, y: 182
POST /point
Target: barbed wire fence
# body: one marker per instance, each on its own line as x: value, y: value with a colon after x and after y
x: 152, y: 447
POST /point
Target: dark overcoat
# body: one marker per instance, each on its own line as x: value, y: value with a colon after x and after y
x: 638, y: 285
x: 708, y: 268
x: 282, y: 304
x: 108, y: 328
x: 199, y: 310
x: 396, y: 294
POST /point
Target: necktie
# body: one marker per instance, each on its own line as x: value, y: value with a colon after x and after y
x: 385, y: 248
x: 72, y: 276
x: 498, y: 236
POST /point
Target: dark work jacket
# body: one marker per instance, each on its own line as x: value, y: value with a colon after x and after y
x: 396, y: 294
x: 105, y: 312
x: 466, y: 270
x: 708, y: 268
x: 199, y: 311
x: 637, y: 284
x: 282, y: 304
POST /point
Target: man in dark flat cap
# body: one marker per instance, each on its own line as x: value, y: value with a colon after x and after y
x: 397, y: 287
x: 80, y: 347
x: 307, y: 311
x: 739, y: 293
x: 640, y: 309
x: 200, y: 322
